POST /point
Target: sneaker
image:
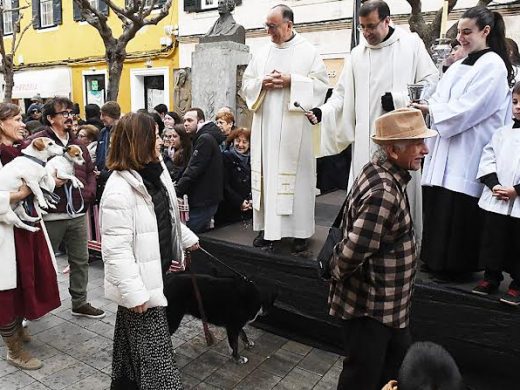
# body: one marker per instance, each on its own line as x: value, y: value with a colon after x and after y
x: 260, y: 242
x: 511, y: 297
x: 484, y: 287
x: 87, y: 310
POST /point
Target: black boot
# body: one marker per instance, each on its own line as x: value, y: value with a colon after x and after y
x: 299, y: 245
x: 259, y: 241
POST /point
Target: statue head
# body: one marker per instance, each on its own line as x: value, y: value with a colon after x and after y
x: 225, y: 6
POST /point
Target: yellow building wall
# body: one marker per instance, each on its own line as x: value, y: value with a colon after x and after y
x: 78, y: 45
x: 74, y: 40
x: 170, y: 62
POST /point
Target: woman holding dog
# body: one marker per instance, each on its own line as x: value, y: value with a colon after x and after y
x: 28, y: 285
x: 142, y: 239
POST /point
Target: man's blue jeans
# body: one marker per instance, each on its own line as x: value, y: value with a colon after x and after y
x: 200, y: 218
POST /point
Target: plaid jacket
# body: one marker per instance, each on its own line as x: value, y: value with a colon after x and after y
x: 373, y: 267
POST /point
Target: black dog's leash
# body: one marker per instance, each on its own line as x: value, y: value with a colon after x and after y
x: 210, y: 339
x: 224, y: 264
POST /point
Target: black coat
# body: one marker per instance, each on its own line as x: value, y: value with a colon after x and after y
x: 237, y: 188
x: 202, y: 180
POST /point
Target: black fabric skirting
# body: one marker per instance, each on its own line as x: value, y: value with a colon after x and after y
x: 452, y: 228
x: 143, y: 357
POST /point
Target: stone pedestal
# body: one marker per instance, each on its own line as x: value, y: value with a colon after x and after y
x: 214, y: 75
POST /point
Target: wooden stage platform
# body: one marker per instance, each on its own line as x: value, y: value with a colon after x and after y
x: 482, y: 334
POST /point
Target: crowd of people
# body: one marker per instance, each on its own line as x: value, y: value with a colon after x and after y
x: 449, y: 187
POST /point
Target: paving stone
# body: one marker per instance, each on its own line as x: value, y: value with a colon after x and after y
x: 41, y: 350
x: 53, y: 365
x: 330, y: 379
x: 194, y: 347
x: 299, y: 348
x: 281, y: 362
x: 102, y: 329
x: 259, y: 380
x: 298, y: 379
x: 15, y: 380
x: 318, y: 361
x: 65, y: 335
x: 231, y: 373
x: 97, y: 381
x: 268, y: 343
x: 188, y: 381
x: 205, y: 386
x: 204, y: 365
x: 63, y: 379
x: 182, y: 360
x: 44, y: 323
x: 177, y: 342
x: 35, y: 386
x: 6, y: 368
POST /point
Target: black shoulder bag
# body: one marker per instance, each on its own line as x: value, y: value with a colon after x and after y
x: 334, y: 237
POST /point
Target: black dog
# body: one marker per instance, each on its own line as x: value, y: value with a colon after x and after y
x: 230, y: 302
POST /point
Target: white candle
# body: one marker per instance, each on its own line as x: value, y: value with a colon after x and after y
x: 444, y: 19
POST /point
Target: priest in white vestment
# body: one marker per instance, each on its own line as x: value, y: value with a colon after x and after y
x: 283, y: 177
x: 373, y: 81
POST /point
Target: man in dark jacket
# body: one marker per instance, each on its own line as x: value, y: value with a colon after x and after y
x: 202, y: 180
x: 110, y: 113
x: 68, y: 222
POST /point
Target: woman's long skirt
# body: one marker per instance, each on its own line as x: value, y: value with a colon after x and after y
x: 143, y: 356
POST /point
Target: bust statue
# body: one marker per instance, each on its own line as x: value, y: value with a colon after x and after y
x: 225, y: 27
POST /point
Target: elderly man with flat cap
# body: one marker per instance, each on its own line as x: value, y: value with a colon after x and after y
x: 373, y: 267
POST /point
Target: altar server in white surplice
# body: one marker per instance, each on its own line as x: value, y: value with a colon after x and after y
x: 374, y: 81
x: 471, y: 102
x: 283, y: 177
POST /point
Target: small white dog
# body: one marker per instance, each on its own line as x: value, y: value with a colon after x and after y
x: 29, y: 168
x: 63, y: 166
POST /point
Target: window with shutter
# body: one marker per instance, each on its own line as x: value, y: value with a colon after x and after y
x: 100, y: 5
x: 16, y: 14
x: 46, y: 13
x: 36, y: 14
x: 7, y: 16
x: 192, y: 5
x: 56, y: 12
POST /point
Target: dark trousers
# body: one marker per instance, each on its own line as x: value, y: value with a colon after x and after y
x: 373, y: 353
x: 200, y: 218
x: 500, y: 248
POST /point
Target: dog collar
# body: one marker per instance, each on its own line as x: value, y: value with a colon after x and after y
x: 36, y: 160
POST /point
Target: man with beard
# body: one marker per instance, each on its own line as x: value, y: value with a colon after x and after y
x: 68, y: 221
x: 374, y: 81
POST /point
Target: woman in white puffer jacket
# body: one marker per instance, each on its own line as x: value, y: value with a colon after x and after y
x: 141, y: 237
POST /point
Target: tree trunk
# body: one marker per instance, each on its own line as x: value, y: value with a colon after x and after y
x: 115, y: 59
x: 8, y: 78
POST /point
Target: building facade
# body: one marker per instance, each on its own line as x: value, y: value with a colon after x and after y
x: 62, y: 55
x: 325, y: 23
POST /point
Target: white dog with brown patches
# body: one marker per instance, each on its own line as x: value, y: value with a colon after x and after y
x: 30, y: 168
x: 63, y: 166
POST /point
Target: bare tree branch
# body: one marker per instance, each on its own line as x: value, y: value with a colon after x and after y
x: 134, y: 16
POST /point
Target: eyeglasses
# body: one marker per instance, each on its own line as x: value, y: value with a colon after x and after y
x: 272, y: 26
x: 65, y: 114
x: 370, y: 27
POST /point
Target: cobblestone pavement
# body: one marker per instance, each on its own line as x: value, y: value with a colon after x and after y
x: 77, y: 353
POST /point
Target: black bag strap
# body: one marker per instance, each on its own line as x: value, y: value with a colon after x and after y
x: 339, y: 217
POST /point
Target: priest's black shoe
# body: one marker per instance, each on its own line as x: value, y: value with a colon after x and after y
x: 299, y: 245
x: 260, y: 242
